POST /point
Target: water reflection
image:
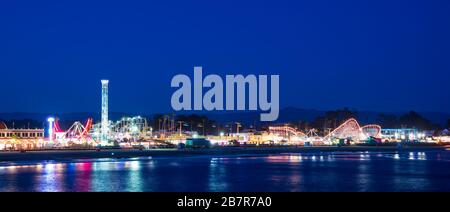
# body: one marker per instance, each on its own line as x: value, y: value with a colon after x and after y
x: 343, y: 171
x: 297, y: 158
x: 217, y: 175
x: 422, y: 156
x: 50, y: 177
x: 83, y: 180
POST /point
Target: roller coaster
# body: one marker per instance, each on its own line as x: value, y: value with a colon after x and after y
x: 350, y: 129
x: 129, y: 128
x: 286, y: 131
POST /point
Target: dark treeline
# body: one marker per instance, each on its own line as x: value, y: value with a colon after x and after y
x: 333, y: 119
x: 193, y: 122
x: 409, y: 120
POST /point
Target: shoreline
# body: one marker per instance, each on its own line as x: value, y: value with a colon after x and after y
x: 64, y: 155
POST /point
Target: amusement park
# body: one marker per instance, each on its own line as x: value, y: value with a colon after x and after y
x: 169, y: 131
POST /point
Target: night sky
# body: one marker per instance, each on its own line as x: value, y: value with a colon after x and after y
x: 369, y: 55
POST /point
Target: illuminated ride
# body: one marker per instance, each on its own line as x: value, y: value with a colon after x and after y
x: 351, y: 129
x: 76, y: 134
x: 372, y: 130
x: 313, y: 137
x: 286, y: 131
x: 288, y: 134
x: 125, y: 129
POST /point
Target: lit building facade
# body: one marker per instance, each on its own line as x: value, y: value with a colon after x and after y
x: 409, y: 134
x: 14, y: 139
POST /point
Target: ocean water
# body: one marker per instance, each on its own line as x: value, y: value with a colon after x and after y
x: 305, y: 172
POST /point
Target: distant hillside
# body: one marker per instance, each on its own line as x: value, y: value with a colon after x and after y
x: 293, y: 115
x: 289, y: 114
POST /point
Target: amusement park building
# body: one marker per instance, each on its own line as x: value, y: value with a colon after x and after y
x: 19, y: 138
x: 405, y: 134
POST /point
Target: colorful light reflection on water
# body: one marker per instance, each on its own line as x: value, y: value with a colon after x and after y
x: 359, y: 171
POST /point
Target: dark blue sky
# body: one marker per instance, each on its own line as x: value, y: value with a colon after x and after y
x: 370, y: 55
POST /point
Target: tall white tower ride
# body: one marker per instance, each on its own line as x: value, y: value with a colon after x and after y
x: 105, y: 120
